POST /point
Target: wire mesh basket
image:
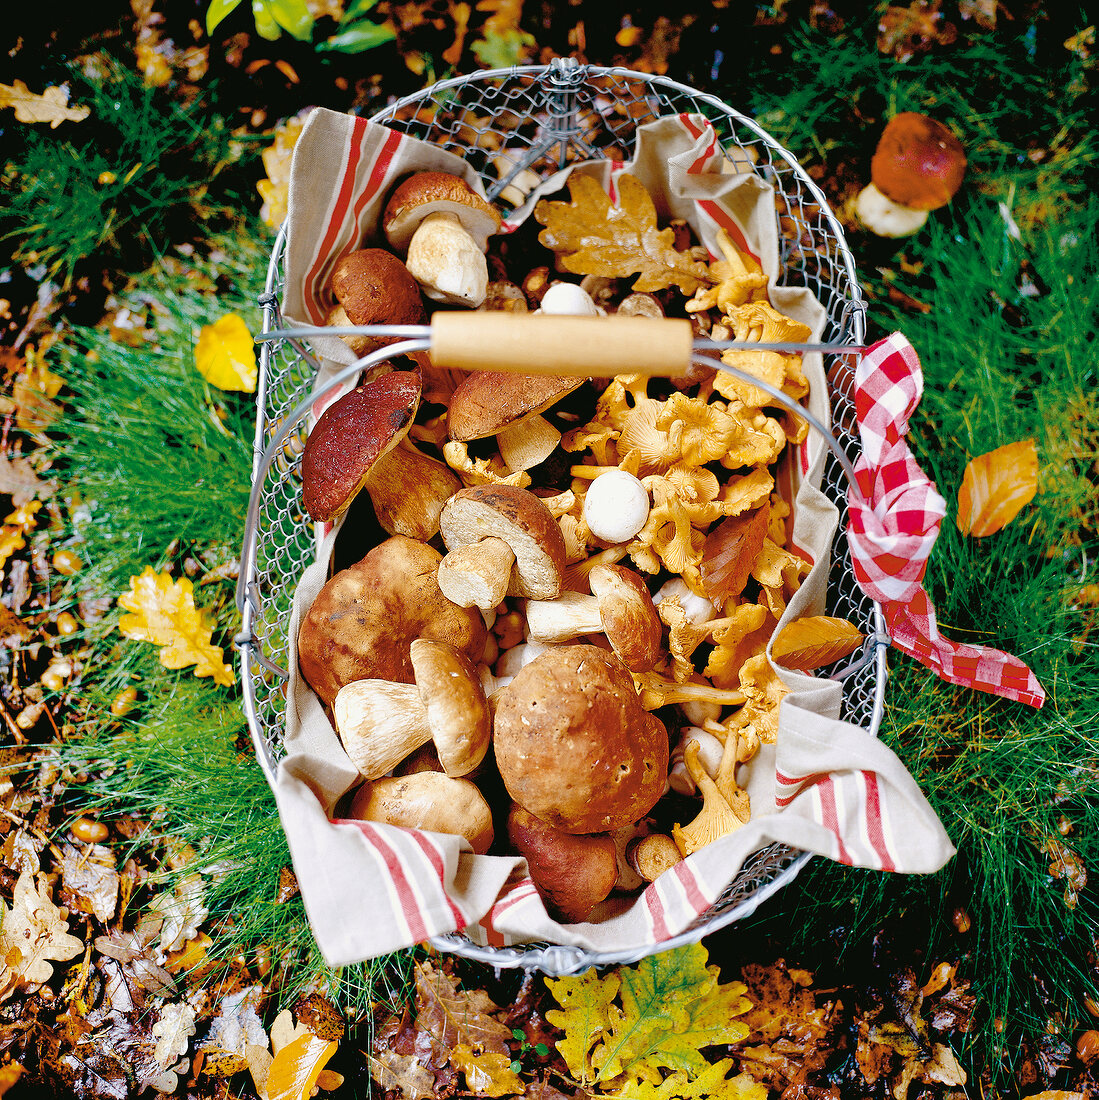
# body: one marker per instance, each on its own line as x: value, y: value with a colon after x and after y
x: 540, y: 119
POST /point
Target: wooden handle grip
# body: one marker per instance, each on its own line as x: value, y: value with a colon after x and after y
x: 580, y: 347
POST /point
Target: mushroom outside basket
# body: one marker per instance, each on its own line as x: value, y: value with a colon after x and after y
x: 547, y: 118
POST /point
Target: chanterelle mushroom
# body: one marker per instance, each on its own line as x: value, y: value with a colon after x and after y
x: 443, y: 226
x: 619, y: 607
x: 918, y: 166
x: 362, y: 621
x: 380, y: 722
x: 574, y: 746
x: 432, y: 801
x: 501, y: 540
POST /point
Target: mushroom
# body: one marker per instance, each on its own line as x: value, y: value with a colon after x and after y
x: 710, y: 752
x: 573, y: 873
x: 568, y: 299
x: 716, y: 818
x: 373, y: 287
x: 351, y: 436
x: 616, y: 506
x: 381, y: 722
x: 442, y: 226
x: 917, y: 167
x: 619, y: 607
x: 510, y: 407
x: 501, y: 540
x: 362, y: 621
x: 650, y: 856
x: 432, y: 801
x: 574, y: 746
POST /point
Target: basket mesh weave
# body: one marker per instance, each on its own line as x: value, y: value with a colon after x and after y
x: 540, y: 119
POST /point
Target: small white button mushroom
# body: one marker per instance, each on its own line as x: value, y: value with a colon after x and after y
x: 616, y: 506
x: 568, y: 299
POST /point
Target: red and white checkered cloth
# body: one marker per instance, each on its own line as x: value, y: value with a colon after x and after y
x: 893, y: 530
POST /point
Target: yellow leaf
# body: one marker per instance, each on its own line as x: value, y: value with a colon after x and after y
x: 815, y: 641
x: 51, y: 106
x: 296, y: 1067
x: 488, y: 1074
x: 33, y: 935
x: 710, y: 1084
x: 226, y: 354
x: 995, y: 488
x: 162, y: 611
x: 276, y: 158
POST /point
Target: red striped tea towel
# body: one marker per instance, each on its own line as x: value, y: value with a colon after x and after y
x: 894, y: 525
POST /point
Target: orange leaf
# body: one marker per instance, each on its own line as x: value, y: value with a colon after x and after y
x: 296, y: 1067
x: 226, y: 354
x: 815, y: 641
x: 995, y: 488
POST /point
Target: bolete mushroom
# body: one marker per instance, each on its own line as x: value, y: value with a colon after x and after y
x: 574, y: 746
x: 572, y: 872
x: 362, y: 621
x: 381, y: 723
x: 917, y: 167
x: 360, y: 442
x: 501, y: 540
x: 432, y: 801
x: 619, y: 606
x: 373, y: 287
x: 442, y: 226
x: 509, y: 406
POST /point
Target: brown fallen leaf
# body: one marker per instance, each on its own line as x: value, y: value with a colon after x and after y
x: 996, y: 486
x: 730, y: 552
x: 487, y: 1074
x: 815, y: 641
x: 51, y: 106
x: 33, y: 935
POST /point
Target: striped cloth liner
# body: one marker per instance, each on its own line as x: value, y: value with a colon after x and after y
x: 893, y: 529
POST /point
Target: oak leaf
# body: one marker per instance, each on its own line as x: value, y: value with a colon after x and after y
x: 671, y: 1006
x: 814, y: 641
x: 33, y: 935
x: 710, y: 1084
x: 295, y: 1068
x: 403, y: 1073
x: 51, y: 106
x: 162, y: 611
x: 592, y: 236
x: 226, y: 354
x: 996, y: 486
x: 487, y: 1074
x: 730, y: 553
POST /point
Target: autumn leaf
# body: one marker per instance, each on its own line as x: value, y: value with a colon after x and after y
x: 729, y: 554
x: 487, y: 1074
x: 457, y: 1017
x: 226, y: 354
x: 710, y: 1084
x: 296, y: 1067
x: 592, y: 236
x: 33, y: 936
x: 814, y: 641
x: 162, y: 611
x: 275, y: 189
x: 996, y: 486
x: 671, y: 1007
x: 51, y: 106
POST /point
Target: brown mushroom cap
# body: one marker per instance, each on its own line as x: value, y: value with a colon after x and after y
x: 457, y: 710
x: 629, y: 616
x: 427, y: 193
x: 375, y: 288
x: 573, y: 873
x: 351, y: 436
x: 427, y: 800
x: 574, y: 745
x: 486, y: 402
x: 918, y: 163
x: 363, y: 620
x: 522, y: 521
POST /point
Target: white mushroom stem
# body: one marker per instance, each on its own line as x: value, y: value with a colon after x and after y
x: 447, y: 262
x: 886, y: 218
x: 380, y: 723
x: 477, y: 575
x: 568, y: 616
x: 697, y: 608
x: 710, y: 752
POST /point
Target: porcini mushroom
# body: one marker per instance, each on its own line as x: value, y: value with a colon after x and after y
x: 373, y: 287
x: 509, y: 406
x: 381, y: 722
x: 574, y: 746
x: 650, y: 856
x: 619, y: 606
x: 917, y: 167
x: 432, y: 801
x: 442, y: 226
x: 572, y: 872
x: 360, y: 624
x: 501, y: 540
